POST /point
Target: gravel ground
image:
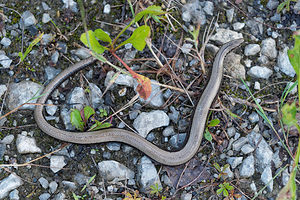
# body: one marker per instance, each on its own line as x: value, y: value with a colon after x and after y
x: 245, y: 152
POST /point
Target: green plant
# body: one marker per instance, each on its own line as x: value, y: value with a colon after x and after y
x: 224, y: 188
x: 286, y: 4
x: 80, y: 119
x: 129, y: 196
x: 137, y: 39
x: 289, y: 118
x: 77, y: 197
x: 212, y: 123
x: 29, y: 48
x: 221, y: 170
x: 156, y: 190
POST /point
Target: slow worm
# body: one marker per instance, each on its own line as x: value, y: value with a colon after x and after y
x: 119, y: 135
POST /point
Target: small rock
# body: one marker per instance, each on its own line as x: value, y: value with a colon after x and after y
x: 276, y: 160
x: 14, y: 195
x: 2, y: 151
x: 113, y: 146
x: 77, y: 98
x: 260, y: 72
x: 174, y: 115
x: 54, y: 57
x: 65, y: 115
x: 69, y: 184
x: 156, y: 98
x: 70, y: 4
x: 229, y: 173
x: 44, y: 196
x: 208, y: 7
x: 8, y: 139
x: 52, y: 187
x: 46, y: 39
x: 272, y: 4
x: 186, y: 48
x: 254, y: 117
x: 237, y: 145
x: 251, y: 49
x: 238, y: 26
x: 247, y: 167
x: 95, y: 95
x: 231, y: 131
x: 147, y: 174
x: 5, y: 61
x: 193, y: 12
x: 186, y: 196
x: 297, y: 7
x: 169, y: 131
x: 253, y: 187
x: 111, y: 170
x: 234, y: 67
x: 290, y: 84
x: 28, y: 19
x: 3, y: 89
x: 106, y: 9
x: 51, y: 110
x: 229, y: 14
x: 268, y: 48
x: 44, y: 182
x: 267, y: 179
x: 82, y: 53
x: 46, y: 18
x: 247, y: 148
x: 146, y: 122
x: 224, y: 35
x: 60, y: 196
x: 256, y: 26
x: 21, y: 92
x: 256, y: 85
x: 26, y: 145
x: 285, y: 177
x: 284, y: 63
x: 234, y: 161
x: 45, y: 6
x: 177, y: 141
x: 8, y: 184
x: 57, y: 163
x: 5, y: 42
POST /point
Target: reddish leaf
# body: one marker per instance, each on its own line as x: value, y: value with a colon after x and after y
x: 144, y: 87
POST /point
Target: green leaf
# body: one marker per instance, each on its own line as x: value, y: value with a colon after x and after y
x: 75, y: 196
x: 98, y: 125
x: 219, y: 191
x: 88, y: 112
x: 289, y: 114
x: 213, y: 123
x: 101, y: 35
x: 281, y: 6
x: 154, y: 10
x: 138, y: 38
x: 207, y: 135
x: 31, y: 45
x: 294, y: 55
x: 76, y: 120
x: 95, y: 46
x: 217, y: 166
x: 225, y: 193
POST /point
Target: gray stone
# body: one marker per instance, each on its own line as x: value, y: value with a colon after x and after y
x: 268, y: 48
x: 46, y: 39
x: 45, y: 6
x: 253, y: 117
x: 106, y: 9
x: 253, y: 187
x: 111, y: 170
x: 113, y: 146
x: 46, y: 18
x: 54, y: 57
x: 238, y: 26
x: 51, y: 72
x: 95, y: 96
x: 28, y: 19
x: 208, y: 8
x: 297, y: 7
x: 146, y: 122
x: 174, y: 115
x: 193, y: 12
x: 156, y: 98
x: 284, y: 63
x: 231, y: 131
x: 69, y: 184
x: 285, y: 177
x: 3, y: 89
x: 229, y: 14
x: 267, y: 179
x: 57, y: 163
x: 168, y: 131
x: 186, y: 48
x: 82, y: 53
x: 60, y: 196
x: 77, y: 98
x: 53, y: 187
x: 186, y: 196
x: 224, y: 35
x: 263, y: 152
x: 276, y: 160
x: 65, y: 115
x: 5, y: 61
x: 251, y: 49
x: 44, y: 196
x: 234, y: 67
x: 8, y: 184
x: 2, y: 151
x: 129, y: 56
x: 5, y: 42
x: 70, y: 4
x: 51, y: 110
x: 177, y: 141
x: 247, y: 148
x: 14, y: 195
x: 237, y: 145
x: 272, y: 4
x: 44, y: 182
x: 147, y: 174
x: 81, y: 179
x: 229, y: 173
x: 260, y: 72
x: 294, y: 90
x: 247, y: 168
x: 8, y: 139
x: 26, y: 145
x: 256, y: 85
x: 234, y: 161
x: 275, y: 18
x: 20, y: 93
x: 256, y: 26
